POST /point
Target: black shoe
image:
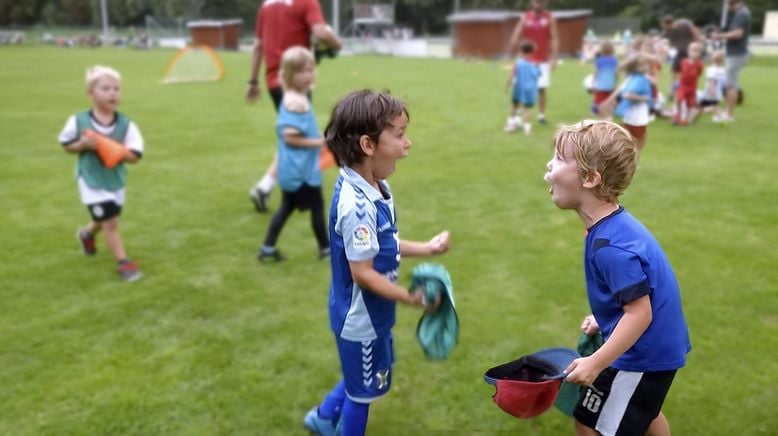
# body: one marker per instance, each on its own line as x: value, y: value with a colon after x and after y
x: 259, y: 199
x: 324, y: 253
x: 270, y: 256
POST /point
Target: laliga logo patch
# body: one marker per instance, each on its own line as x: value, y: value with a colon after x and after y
x: 97, y: 211
x: 361, y: 236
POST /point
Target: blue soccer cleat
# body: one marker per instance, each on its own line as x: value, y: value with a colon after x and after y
x: 318, y: 425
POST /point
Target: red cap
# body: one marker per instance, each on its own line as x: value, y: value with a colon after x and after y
x: 528, y: 386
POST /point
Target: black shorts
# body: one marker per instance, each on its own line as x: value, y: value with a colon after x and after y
x: 277, y: 94
x: 104, y: 211
x: 307, y: 197
x: 679, y: 56
x: 708, y: 103
x: 623, y: 403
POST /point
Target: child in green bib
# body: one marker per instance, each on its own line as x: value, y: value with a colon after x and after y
x: 102, y: 189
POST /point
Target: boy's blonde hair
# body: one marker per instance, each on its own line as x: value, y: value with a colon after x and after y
x: 94, y: 73
x: 293, y: 60
x: 600, y: 146
x: 696, y: 46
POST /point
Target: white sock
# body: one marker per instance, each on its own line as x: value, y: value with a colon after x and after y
x: 266, y: 184
x: 541, y: 116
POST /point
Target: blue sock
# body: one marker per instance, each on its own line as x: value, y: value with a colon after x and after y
x: 353, y: 421
x: 332, y: 405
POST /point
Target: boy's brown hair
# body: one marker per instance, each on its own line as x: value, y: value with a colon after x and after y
x: 606, y: 48
x: 357, y: 114
x: 600, y: 146
x: 527, y: 46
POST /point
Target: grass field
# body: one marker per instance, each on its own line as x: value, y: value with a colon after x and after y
x: 211, y: 342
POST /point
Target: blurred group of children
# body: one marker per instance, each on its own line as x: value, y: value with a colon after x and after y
x: 637, y: 99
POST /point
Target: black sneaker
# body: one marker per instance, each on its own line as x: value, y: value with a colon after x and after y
x: 87, y: 241
x: 542, y: 120
x: 259, y: 199
x: 324, y: 253
x: 270, y: 256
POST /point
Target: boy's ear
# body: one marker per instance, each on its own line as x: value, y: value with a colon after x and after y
x: 367, y: 145
x: 592, y: 180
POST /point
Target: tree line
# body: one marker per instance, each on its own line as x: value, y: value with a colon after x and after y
x: 426, y: 17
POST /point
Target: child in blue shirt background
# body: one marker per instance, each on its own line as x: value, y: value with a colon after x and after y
x: 634, y: 106
x: 605, y: 75
x: 524, y: 79
x: 299, y: 146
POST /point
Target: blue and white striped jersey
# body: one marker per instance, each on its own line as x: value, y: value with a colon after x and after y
x: 362, y: 226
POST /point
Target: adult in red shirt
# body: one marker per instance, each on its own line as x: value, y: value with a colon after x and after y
x: 539, y: 26
x: 281, y: 24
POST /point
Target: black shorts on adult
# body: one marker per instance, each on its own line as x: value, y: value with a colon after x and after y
x: 623, y: 403
x: 677, y: 60
x: 708, y: 103
x: 277, y: 94
x: 307, y: 197
x: 104, y: 211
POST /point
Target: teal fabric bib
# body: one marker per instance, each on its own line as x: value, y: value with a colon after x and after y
x: 437, y: 332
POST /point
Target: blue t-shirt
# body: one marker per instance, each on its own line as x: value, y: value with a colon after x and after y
x: 605, y: 74
x: 624, y: 262
x: 297, y: 165
x: 362, y: 227
x: 637, y: 84
x: 525, y: 76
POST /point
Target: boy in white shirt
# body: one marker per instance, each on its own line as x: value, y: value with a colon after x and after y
x: 715, y: 81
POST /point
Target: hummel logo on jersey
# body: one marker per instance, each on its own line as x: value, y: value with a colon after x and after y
x: 383, y: 378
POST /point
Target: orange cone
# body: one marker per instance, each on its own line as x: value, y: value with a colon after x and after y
x: 110, y: 151
x: 326, y: 158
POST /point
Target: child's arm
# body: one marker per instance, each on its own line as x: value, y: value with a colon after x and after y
x: 710, y: 86
x: 295, y: 138
x: 131, y: 157
x: 589, y: 325
x: 367, y: 278
x: 134, y: 143
x: 635, y: 97
x: 636, y: 319
x: 437, y: 245
x: 510, y: 79
x: 606, y: 107
x: 82, y: 144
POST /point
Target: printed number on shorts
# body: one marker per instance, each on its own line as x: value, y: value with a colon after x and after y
x: 592, y: 401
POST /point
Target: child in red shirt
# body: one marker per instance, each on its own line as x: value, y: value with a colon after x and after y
x: 686, y: 95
